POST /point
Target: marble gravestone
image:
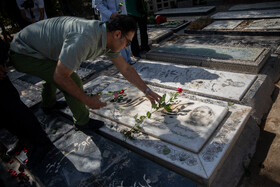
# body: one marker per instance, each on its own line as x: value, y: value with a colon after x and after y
x: 223, y: 24
x: 189, y: 125
x: 156, y: 35
x: 186, y: 11
x: 251, y: 14
x: 227, y: 85
x: 256, y: 6
x: 242, y: 59
x: 173, y: 24
x: 193, y: 143
x: 264, y: 24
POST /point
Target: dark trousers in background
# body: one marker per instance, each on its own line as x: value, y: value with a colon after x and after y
x: 135, y: 48
x: 17, y: 118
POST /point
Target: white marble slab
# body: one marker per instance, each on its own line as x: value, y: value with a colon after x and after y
x: 186, y: 11
x: 256, y: 6
x: 188, y: 126
x: 265, y: 24
x: 224, y: 24
x: 251, y: 14
x: 156, y: 35
x: 215, y: 83
x: 200, y: 167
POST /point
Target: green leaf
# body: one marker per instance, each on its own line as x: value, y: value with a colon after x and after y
x: 182, y: 159
x: 54, y: 131
x: 162, y: 99
x: 166, y: 151
x: 230, y: 103
x: 149, y: 114
x: 136, y: 116
x: 154, y: 106
x: 142, y: 117
x: 167, y: 108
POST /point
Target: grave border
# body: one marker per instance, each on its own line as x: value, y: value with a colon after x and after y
x: 237, y: 65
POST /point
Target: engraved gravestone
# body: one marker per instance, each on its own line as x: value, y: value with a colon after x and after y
x: 173, y: 24
x: 223, y: 24
x: 251, y: 14
x: 155, y: 35
x: 264, y: 24
x: 201, y: 166
x: 244, y: 59
x: 186, y: 11
x: 188, y: 125
x: 215, y: 83
x: 256, y: 6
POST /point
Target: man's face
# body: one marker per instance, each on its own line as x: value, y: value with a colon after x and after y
x: 121, y: 41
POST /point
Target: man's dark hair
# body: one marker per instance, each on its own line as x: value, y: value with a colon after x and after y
x: 124, y: 23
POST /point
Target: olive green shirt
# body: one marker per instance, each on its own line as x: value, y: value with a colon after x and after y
x: 68, y: 39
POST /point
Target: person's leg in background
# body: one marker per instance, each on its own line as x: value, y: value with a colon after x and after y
x: 142, y: 24
x: 135, y: 48
x: 20, y: 121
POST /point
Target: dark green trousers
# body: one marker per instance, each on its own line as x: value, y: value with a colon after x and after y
x: 44, y: 69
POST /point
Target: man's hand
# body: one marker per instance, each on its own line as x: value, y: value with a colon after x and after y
x: 153, y: 97
x: 95, y: 103
x: 3, y: 72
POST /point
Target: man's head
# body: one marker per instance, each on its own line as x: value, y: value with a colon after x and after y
x: 120, y: 31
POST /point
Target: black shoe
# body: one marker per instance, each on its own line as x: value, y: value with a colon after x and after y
x: 92, y: 125
x: 16, y: 147
x: 58, y: 105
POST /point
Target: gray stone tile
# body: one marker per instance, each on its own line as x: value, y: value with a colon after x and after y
x: 251, y: 14
x: 256, y: 6
x: 227, y: 24
x: 186, y: 11
x: 264, y: 24
x: 230, y: 58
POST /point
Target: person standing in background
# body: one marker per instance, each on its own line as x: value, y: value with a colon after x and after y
x: 32, y: 10
x: 138, y: 9
x: 109, y: 9
x: 95, y: 11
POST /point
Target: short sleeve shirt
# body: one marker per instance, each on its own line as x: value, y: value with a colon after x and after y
x: 68, y: 39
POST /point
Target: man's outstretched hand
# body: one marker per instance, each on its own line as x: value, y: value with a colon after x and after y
x: 95, y: 103
x: 153, y: 97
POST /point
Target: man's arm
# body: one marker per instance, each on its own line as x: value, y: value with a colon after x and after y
x: 133, y: 77
x: 62, y: 78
